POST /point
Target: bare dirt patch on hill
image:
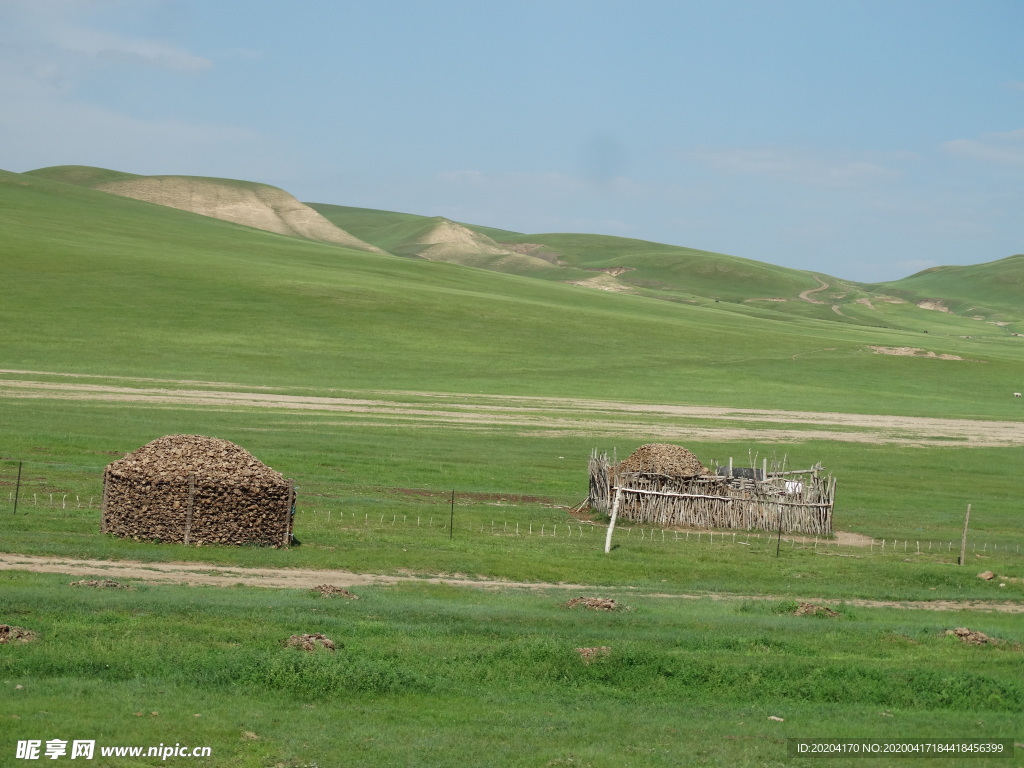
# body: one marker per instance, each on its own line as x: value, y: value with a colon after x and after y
x: 912, y: 352
x: 255, y: 205
x: 604, y: 282
x: 806, y: 295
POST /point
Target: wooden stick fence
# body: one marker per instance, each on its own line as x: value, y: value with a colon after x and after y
x: 800, y: 501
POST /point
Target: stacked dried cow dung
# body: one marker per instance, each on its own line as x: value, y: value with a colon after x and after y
x: 196, y: 490
x: 663, y: 459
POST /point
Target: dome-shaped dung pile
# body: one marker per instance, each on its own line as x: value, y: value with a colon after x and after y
x: 663, y: 459
x: 196, y: 490
x: 210, y: 459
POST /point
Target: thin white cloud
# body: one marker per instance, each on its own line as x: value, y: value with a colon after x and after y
x: 62, y: 30
x: 109, y: 47
x: 797, y: 166
x: 48, y: 50
x: 1003, y: 148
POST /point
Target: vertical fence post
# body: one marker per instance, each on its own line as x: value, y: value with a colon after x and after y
x: 778, y: 544
x: 191, y: 503
x: 289, y: 515
x: 963, y: 540
x: 611, y: 525
x: 17, y: 489
x: 103, y: 504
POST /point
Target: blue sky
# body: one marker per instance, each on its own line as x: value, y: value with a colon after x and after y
x: 867, y: 140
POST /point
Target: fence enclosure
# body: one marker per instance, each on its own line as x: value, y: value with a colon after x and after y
x: 800, y: 501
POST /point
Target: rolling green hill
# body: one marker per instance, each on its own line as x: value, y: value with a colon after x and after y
x: 439, y: 239
x: 104, y: 284
x: 992, y: 291
x: 678, y: 274
x: 602, y: 261
x: 243, y: 202
x: 984, y: 300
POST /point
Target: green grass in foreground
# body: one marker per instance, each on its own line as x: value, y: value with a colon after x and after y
x: 437, y: 676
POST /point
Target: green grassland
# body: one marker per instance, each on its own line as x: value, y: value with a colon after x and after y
x: 99, y: 284
x: 376, y: 498
x: 433, y: 675
x: 105, y: 287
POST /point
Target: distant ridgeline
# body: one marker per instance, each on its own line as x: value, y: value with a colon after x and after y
x: 984, y: 299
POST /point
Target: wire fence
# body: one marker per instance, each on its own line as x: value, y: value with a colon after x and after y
x: 904, y: 547
x: 435, y: 514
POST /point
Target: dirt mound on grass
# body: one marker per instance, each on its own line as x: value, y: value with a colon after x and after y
x: 810, y: 609
x: 663, y: 459
x: 329, y: 590
x: 208, y: 458
x: 10, y: 634
x: 589, y: 654
x: 255, y: 205
x: 596, y: 604
x: 310, y: 642
x: 972, y: 637
x: 100, y: 584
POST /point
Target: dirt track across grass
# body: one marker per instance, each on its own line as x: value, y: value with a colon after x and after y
x: 211, y: 574
x: 543, y: 416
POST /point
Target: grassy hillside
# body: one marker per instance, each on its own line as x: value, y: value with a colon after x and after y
x: 82, y: 175
x: 976, y: 295
x: 385, y: 229
x: 251, y: 204
x: 439, y: 239
x: 91, y: 177
x: 993, y: 291
x: 652, y: 268
x: 156, y: 291
x: 946, y: 300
